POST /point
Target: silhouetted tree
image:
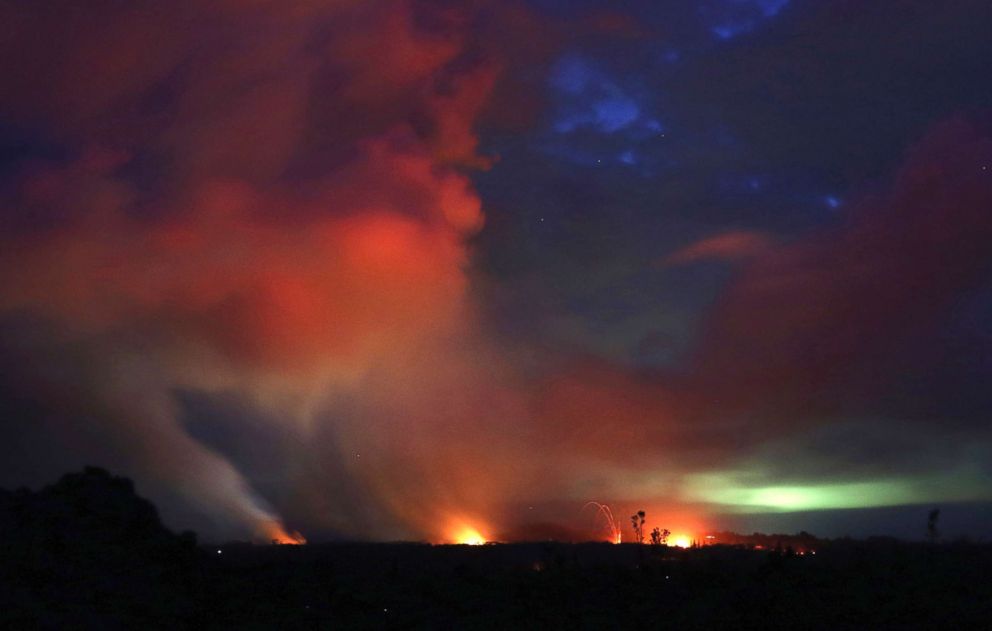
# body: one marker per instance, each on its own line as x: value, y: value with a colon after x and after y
x: 932, y: 533
x: 637, y: 521
x: 659, y: 537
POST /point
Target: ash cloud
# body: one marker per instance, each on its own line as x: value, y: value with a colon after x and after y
x: 245, y: 271
x: 267, y: 198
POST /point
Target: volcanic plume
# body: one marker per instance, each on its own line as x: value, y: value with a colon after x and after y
x: 393, y: 269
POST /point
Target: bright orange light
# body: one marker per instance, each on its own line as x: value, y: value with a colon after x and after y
x: 277, y: 534
x: 463, y: 532
x: 682, y: 541
x: 289, y: 538
x: 469, y: 536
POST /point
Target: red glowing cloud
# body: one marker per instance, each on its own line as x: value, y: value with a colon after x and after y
x: 273, y: 202
x: 299, y: 215
x: 801, y: 317
x: 729, y: 246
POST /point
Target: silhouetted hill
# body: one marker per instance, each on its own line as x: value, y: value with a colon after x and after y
x: 92, y: 507
x: 88, y: 552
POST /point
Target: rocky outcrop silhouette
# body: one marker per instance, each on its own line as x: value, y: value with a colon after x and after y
x: 88, y: 552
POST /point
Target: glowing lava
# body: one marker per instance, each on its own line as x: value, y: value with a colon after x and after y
x: 464, y: 531
x: 469, y: 536
x: 278, y: 535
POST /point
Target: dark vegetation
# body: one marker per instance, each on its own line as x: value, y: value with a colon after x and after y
x: 88, y: 553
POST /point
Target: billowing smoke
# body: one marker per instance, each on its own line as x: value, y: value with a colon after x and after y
x: 265, y: 200
x: 236, y: 268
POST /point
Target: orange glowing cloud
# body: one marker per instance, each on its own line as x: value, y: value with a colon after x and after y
x: 225, y: 273
x: 299, y: 226
x: 271, y: 203
x: 729, y: 246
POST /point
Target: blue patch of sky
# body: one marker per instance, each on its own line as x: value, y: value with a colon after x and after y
x: 599, y: 118
x: 731, y: 18
x: 588, y: 97
x: 21, y: 146
x: 577, y: 154
x: 742, y: 183
x: 608, y: 114
x: 572, y: 75
x: 729, y: 31
x: 771, y: 7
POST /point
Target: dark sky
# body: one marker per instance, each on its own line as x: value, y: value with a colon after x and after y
x: 411, y: 269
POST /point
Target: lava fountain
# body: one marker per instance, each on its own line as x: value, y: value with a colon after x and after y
x: 611, y: 523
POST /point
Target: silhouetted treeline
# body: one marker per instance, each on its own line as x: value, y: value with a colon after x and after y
x: 801, y: 542
x: 88, y: 553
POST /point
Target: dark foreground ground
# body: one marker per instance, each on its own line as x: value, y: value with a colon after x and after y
x: 86, y: 553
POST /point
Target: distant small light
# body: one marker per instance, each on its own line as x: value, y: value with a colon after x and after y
x: 666, y: 578
x: 220, y: 552
x: 832, y: 201
x: 385, y: 610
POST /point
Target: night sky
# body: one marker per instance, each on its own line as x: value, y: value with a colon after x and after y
x: 406, y: 269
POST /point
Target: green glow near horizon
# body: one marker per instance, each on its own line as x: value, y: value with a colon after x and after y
x: 727, y: 491
x: 818, y: 497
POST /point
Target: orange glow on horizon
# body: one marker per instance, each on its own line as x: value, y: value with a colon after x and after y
x: 278, y: 535
x: 681, y: 541
x: 470, y: 536
x: 464, y: 533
